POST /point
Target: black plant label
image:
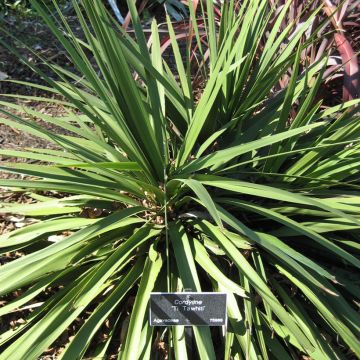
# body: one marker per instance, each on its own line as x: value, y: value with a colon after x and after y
x: 188, y: 308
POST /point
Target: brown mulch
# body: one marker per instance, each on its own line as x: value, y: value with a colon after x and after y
x: 37, y: 38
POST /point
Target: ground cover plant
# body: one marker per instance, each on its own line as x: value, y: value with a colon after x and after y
x: 234, y: 186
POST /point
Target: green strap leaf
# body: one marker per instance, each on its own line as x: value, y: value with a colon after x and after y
x: 257, y: 282
x: 151, y: 271
x: 80, y: 343
x: 204, y: 198
x: 188, y: 274
x: 223, y: 156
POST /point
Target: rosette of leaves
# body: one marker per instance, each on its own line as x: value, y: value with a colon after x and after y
x: 240, y: 189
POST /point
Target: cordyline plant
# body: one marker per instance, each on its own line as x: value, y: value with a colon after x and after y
x: 153, y: 190
x: 331, y: 25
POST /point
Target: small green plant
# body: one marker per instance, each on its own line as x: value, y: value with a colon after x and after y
x: 20, y: 7
x: 244, y: 189
x: 23, y: 8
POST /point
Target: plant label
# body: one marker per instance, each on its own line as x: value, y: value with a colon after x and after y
x: 188, y: 308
